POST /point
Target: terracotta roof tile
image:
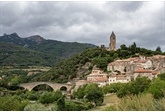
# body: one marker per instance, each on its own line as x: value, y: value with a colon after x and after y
x: 155, y: 72
x: 143, y: 71
x: 101, y: 79
x: 90, y: 81
x: 143, y: 61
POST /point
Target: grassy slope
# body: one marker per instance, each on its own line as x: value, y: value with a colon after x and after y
x: 110, y: 99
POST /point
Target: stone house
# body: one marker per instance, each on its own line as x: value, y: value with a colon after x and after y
x: 100, y: 81
x: 162, y: 61
x: 78, y: 84
x: 119, y: 65
x: 145, y: 73
x: 161, y: 70
x: 156, y: 61
x: 146, y: 64
x: 98, y: 76
x: 119, y: 78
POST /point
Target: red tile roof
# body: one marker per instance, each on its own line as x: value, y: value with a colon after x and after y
x: 143, y: 61
x: 90, y: 81
x: 155, y: 72
x: 101, y: 79
x: 143, y: 71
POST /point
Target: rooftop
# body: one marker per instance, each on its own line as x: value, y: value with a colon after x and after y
x: 143, y: 71
x: 101, y: 79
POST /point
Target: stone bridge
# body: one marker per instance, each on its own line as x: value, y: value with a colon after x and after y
x: 54, y: 86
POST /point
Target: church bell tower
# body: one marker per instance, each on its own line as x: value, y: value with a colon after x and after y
x: 112, y: 44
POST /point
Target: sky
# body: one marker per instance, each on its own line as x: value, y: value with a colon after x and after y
x: 87, y: 22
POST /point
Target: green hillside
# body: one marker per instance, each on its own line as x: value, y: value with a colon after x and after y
x: 36, y: 50
x: 13, y: 55
x: 74, y: 67
x: 60, y: 49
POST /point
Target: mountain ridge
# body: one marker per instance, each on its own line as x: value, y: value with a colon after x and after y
x: 56, y: 50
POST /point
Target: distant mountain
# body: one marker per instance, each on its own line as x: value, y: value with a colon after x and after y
x: 14, y: 55
x: 53, y: 50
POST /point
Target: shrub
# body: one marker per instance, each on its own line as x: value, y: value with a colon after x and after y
x: 94, y: 94
x: 110, y: 108
x: 123, y: 91
x: 139, y: 85
x: 77, y: 106
x: 46, y: 98
x: 12, y: 103
x: 141, y: 102
x: 56, y: 95
x: 61, y: 103
x: 50, y: 97
x: 31, y: 95
x: 40, y: 107
x: 157, y: 87
x: 80, y: 93
x: 162, y: 76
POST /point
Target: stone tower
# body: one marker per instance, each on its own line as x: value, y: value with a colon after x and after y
x: 112, y: 44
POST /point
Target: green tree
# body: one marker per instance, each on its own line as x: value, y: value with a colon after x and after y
x: 12, y: 103
x: 46, y: 98
x: 14, y: 81
x: 123, y: 47
x: 115, y: 55
x: 61, y: 103
x: 123, y: 90
x: 158, y: 49
x: 4, y: 83
x: 124, y: 53
x: 94, y: 94
x: 50, y: 97
x: 80, y: 93
x: 133, y: 48
x: 162, y: 76
x: 139, y: 85
x: 157, y: 87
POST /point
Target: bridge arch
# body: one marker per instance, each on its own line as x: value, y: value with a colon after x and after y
x: 54, y: 86
x: 46, y: 87
x: 63, y: 88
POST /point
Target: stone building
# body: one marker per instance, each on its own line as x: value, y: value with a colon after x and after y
x: 112, y: 44
x: 119, y: 78
x: 145, y: 73
x: 119, y: 65
x: 98, y: 76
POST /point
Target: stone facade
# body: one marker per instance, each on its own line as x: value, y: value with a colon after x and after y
x: 112, y: 44
x: 139, y: 66
x: 98, y: 77
x: 145, y: 73
x: 119, y: 78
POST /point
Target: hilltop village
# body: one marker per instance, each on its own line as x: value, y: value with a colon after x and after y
x: 125, y: 70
